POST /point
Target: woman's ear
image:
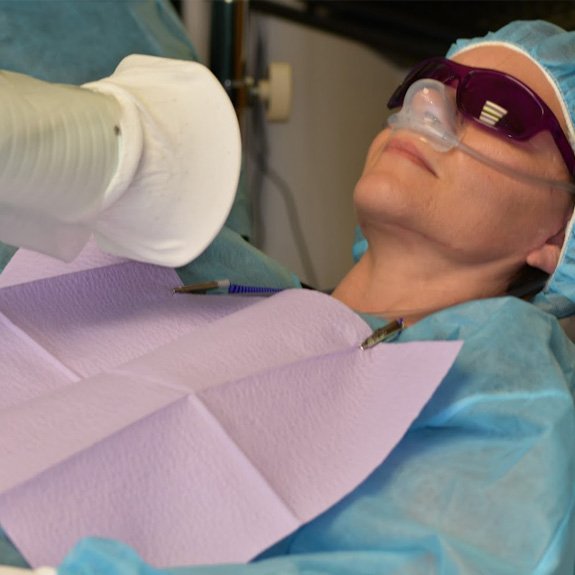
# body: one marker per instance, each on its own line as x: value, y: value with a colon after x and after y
x: 546, y: 257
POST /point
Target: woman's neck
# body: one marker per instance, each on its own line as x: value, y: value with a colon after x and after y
x: 411, y: 286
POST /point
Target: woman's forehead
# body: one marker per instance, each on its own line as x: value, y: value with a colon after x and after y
x: 518, y: 65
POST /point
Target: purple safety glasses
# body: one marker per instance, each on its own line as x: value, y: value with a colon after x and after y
x: 494, y: 100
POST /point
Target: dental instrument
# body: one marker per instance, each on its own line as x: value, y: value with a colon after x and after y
x: 383, y: 333
x: 231, y: 288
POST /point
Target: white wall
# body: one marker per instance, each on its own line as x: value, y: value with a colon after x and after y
x: 340, y: 92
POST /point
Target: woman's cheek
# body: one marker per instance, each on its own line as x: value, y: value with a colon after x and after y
x: 376, y: 148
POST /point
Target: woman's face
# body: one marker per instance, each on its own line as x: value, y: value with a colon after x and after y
x: 454, y: 203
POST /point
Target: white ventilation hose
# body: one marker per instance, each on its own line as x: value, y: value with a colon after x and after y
x: 58, y: 152
x: 147, y: 160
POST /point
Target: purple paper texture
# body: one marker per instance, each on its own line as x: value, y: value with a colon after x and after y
x: 27, y: 266
x: 96, y: 319
x: 175, y: 423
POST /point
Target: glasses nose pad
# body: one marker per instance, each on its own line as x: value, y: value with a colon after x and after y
x: 429, y: 109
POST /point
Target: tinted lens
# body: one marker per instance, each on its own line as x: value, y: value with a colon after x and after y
x: 499, y: 102
x: 494, y: 99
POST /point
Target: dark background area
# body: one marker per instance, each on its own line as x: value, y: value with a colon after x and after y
x: 404, y: 31
x: 408, y: 31
x: 177, y: 4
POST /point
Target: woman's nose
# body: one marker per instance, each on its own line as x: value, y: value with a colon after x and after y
x: 429, y: 109
x: 433, y: 105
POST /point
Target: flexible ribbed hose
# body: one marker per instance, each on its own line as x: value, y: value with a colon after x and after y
x: 59, y: 148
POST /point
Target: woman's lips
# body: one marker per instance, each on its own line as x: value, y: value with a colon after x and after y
x: 411, y: 152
